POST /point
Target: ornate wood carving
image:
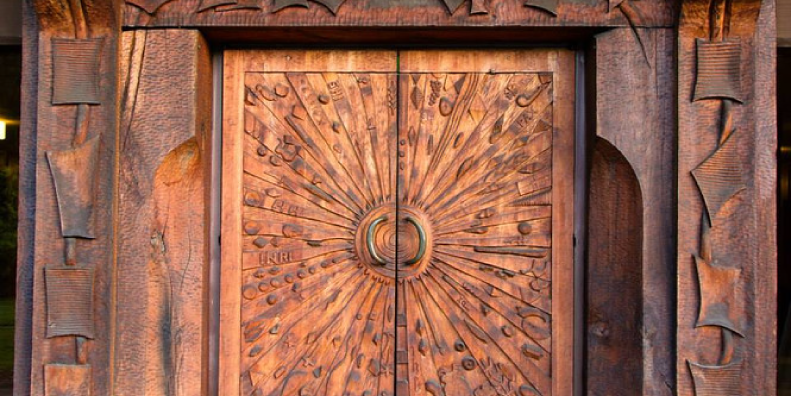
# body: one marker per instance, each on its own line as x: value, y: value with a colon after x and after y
x: 720, y: 126
x: 74, y: 173
x: 413, y: 13
x: 396, y: 230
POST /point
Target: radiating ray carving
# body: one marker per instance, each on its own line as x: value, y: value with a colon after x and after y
x: 331, y: 304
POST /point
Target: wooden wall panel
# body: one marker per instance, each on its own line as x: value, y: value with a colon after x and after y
x: 634, y: 113
x: 161, y: 340
x: 726, y: 190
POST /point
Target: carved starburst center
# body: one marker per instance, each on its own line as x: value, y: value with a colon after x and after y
x: 394, y: 242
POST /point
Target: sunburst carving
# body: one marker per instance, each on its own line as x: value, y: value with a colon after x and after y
x: 397, y: 234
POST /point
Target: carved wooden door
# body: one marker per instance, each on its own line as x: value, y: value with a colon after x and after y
x: 397, y: 223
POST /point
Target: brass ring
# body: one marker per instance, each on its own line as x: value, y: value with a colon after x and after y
x: 421, y: 238
x: 370, y: 240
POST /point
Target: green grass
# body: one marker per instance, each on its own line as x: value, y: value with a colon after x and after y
x: 6, y: 334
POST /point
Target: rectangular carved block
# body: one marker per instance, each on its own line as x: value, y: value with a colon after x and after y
x: 74, y: 172
x: 67, y: 380
x: 716, y: 380
x: 75, y: 71
x: 719, y: 70
x: 69, y: 302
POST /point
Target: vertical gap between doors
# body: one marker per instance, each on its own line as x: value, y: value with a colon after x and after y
x: 212, y: 382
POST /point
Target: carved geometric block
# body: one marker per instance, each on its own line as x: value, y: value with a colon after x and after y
x: 75, y: 71
x: 74, y: 172
x: 719, y: 70
x: 720, y: 177
x: 722, y: 304
x: 69, y: 302
x: 550, y: 6
x: 67, y: 380
x: 225, y: 5
x: 717, y: 380
x: 208, y: 4
x: 150, y: 6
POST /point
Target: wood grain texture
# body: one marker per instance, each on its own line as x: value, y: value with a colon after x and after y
x: 430, y: 257
x: 784, y: 23
x: 614, y: 275
x: 635, y: 115
x: 726, y: 253
x: 67, y: 380
x: 417, y: 13
x: 163, y: 213
x: 55, y: 131
x: 26, y: 267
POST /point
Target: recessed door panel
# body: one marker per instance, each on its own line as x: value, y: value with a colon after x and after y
x: 397, y: 232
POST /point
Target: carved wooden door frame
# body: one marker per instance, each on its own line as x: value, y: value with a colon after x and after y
x: 117, y: 97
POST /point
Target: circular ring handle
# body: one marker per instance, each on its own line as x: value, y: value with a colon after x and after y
x: 370, y: 240
x: 421, y: 238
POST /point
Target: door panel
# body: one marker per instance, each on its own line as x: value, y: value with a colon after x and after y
x: 397, y: 233
x: 476, y: 162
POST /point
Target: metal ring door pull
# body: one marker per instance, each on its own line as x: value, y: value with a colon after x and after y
x: 421, y: 240
x: 370, y: 240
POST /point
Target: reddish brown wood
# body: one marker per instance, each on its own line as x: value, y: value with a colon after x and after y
x: 726, y: 292
x: 614, y: 275
x: 632, y: 113
x: 162, y: 263
x: 150, y: 336
x: 75, y: 118
x: 336, y: 210
x: 413, y: 13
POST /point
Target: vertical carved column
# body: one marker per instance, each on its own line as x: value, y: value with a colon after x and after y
x: 74, y: 161
x: 726, y: 173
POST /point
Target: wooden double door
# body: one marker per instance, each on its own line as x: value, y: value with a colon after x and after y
x: 397, y: 223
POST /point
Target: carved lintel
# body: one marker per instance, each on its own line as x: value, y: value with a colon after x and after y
x: 716, y: 380
x: 719, y: 70
x: 74, y: 172
x: 149, y: 6
x: 550, y: 6
x: 69, y: 302
x: 239, y: 5
x: 67, y: 380
x: 453, y: 5
x: 332, y: 5
x: 613, y: 4
x: 478, y: 7
x: 75, y: 70
x: 281, y: 4
x: 209, y: 4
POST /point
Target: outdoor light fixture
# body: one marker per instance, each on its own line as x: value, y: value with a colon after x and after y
x: 2, y: 129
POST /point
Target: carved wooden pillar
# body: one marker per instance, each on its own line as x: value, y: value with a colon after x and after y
x: 726, y: 190
x: 71, y: 100
x: 162, y: 253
